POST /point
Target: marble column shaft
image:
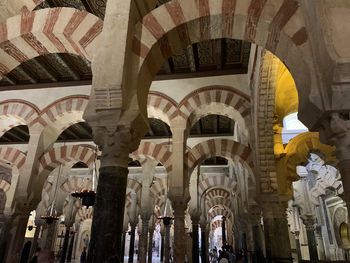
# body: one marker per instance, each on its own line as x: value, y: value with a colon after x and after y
x: 179, y: 233
x: 223, y: 227
x: 204, y: 247
x: 277, y: 241
x: 122, y: 252
x: 107, y: 224
x: 297, y: 244
x: 311, y: 241
x: 65, y: 245
x: 70, y: 248
x: 18, y: 227
x: 162, y: 248
x: 167, y: 242
x: 150, y: 245
x: 195, y: 241
x: 132, y: 243
x: 143, y: 238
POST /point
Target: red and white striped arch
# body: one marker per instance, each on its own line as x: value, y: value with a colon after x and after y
x: 50, y: 30
x: 219, y: 211
x: 219, y: 201
x: 133, y: 185
x: 160, y: 187
x: 66, y: 155
x: 278, y: 26
x: 220, y: 147
x: 159, y: 206
x: 160, y: 106
x: 76, y: 184
x: 216, y: 181
x: 16, y: 112
x: 216, y: 224
x: 11, y: 155
x: 62, y: 113
x: 217, y: 192
x: 84, y: 214
x: 158, y: 152
x: 220, y: 100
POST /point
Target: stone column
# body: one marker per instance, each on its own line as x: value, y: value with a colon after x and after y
x: 132, y: 243
x: 108, y: 217
x: 167, y: 224
x: 277, y: 241
x: 297, y: 244
x: 18, y: 227
x: 50, y: 236
x: 70, y: 248
x: 162, y: 232
x: 320, y: 245
x: 38, y: 224
x: 195, y: 238
x: 65, y: 245
x: 4, y: 237
x: 223, y: 227
x: 122, y: 252
x: 144, y: 237
x: 179, y: 207
x: 204, y: 243
x: 150, y: 244
x: 311, y: 239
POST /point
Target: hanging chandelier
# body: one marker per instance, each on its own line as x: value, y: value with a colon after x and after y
x: 88, y: 196
x: 52, y: 213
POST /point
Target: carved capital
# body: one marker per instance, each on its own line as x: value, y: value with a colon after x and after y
x: 115, y: 145
x: 309, y: 222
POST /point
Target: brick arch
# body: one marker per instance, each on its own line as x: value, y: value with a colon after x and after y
x: 219, y: 211
x: 133, y: 185
x: 16, y: 112
x: 4, y: 186
x: 223, y: 148
x: 11, y: 155
x: 156, y: 151
x: 160, y: 203
x: 160, y: 187
x: 160, y: 106
x: 84, y: 214
x: 216, y: 224
x: 65, y: 155
x: 76, y: 184
x: 220, y: 100
x: 177, y: 24
x: 52, y: 30
x: 217, y: 192
x: 216, y: 201
x: 221, y: 181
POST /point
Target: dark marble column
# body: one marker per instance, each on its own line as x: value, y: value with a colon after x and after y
x: 122, y: 252
x: 204, y: 247
x: 311, y: 241
x: 195, y: 240
x: 258, y: 247
x: 223, y: 230
x: 143, y: 238
x: 107, y: 222
x: 18, y: 227
x: 4, y: 235
x: 70, y: 248
x: 150, y: 245
x: 132, y: 243
x: 162, y: 248
x: 35, y: 240
x: 297, y: 244
x: 65, y: 245
x: 50, y: 235
x: 278, y: 249
x: 179, y: 231
x: 167, y: 224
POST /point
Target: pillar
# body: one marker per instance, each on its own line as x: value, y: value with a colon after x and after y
x: 311, y: 239
x: 277, y: 240
x: 70, y: 248
x: 204, y: 243
x: 167, y: 224
x: 65, y: 245
x: 195, y: 239
x: 297, y: 244
x: 179, y: 207
x: 50, y: 236
x: 132, y: 243
x: 122, y: 253
x: 35, y: 238
x: 4, y: 222
x: 144, y: 237
x: 320, y: 245
x: 223, y: 227
x: 18, y: 227
x: 150, y: 244
x: 162, y: 246
x: 108, y: 217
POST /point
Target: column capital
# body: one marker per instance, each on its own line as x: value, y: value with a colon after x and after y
x: 309, y: 222
x: 116, y: 144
